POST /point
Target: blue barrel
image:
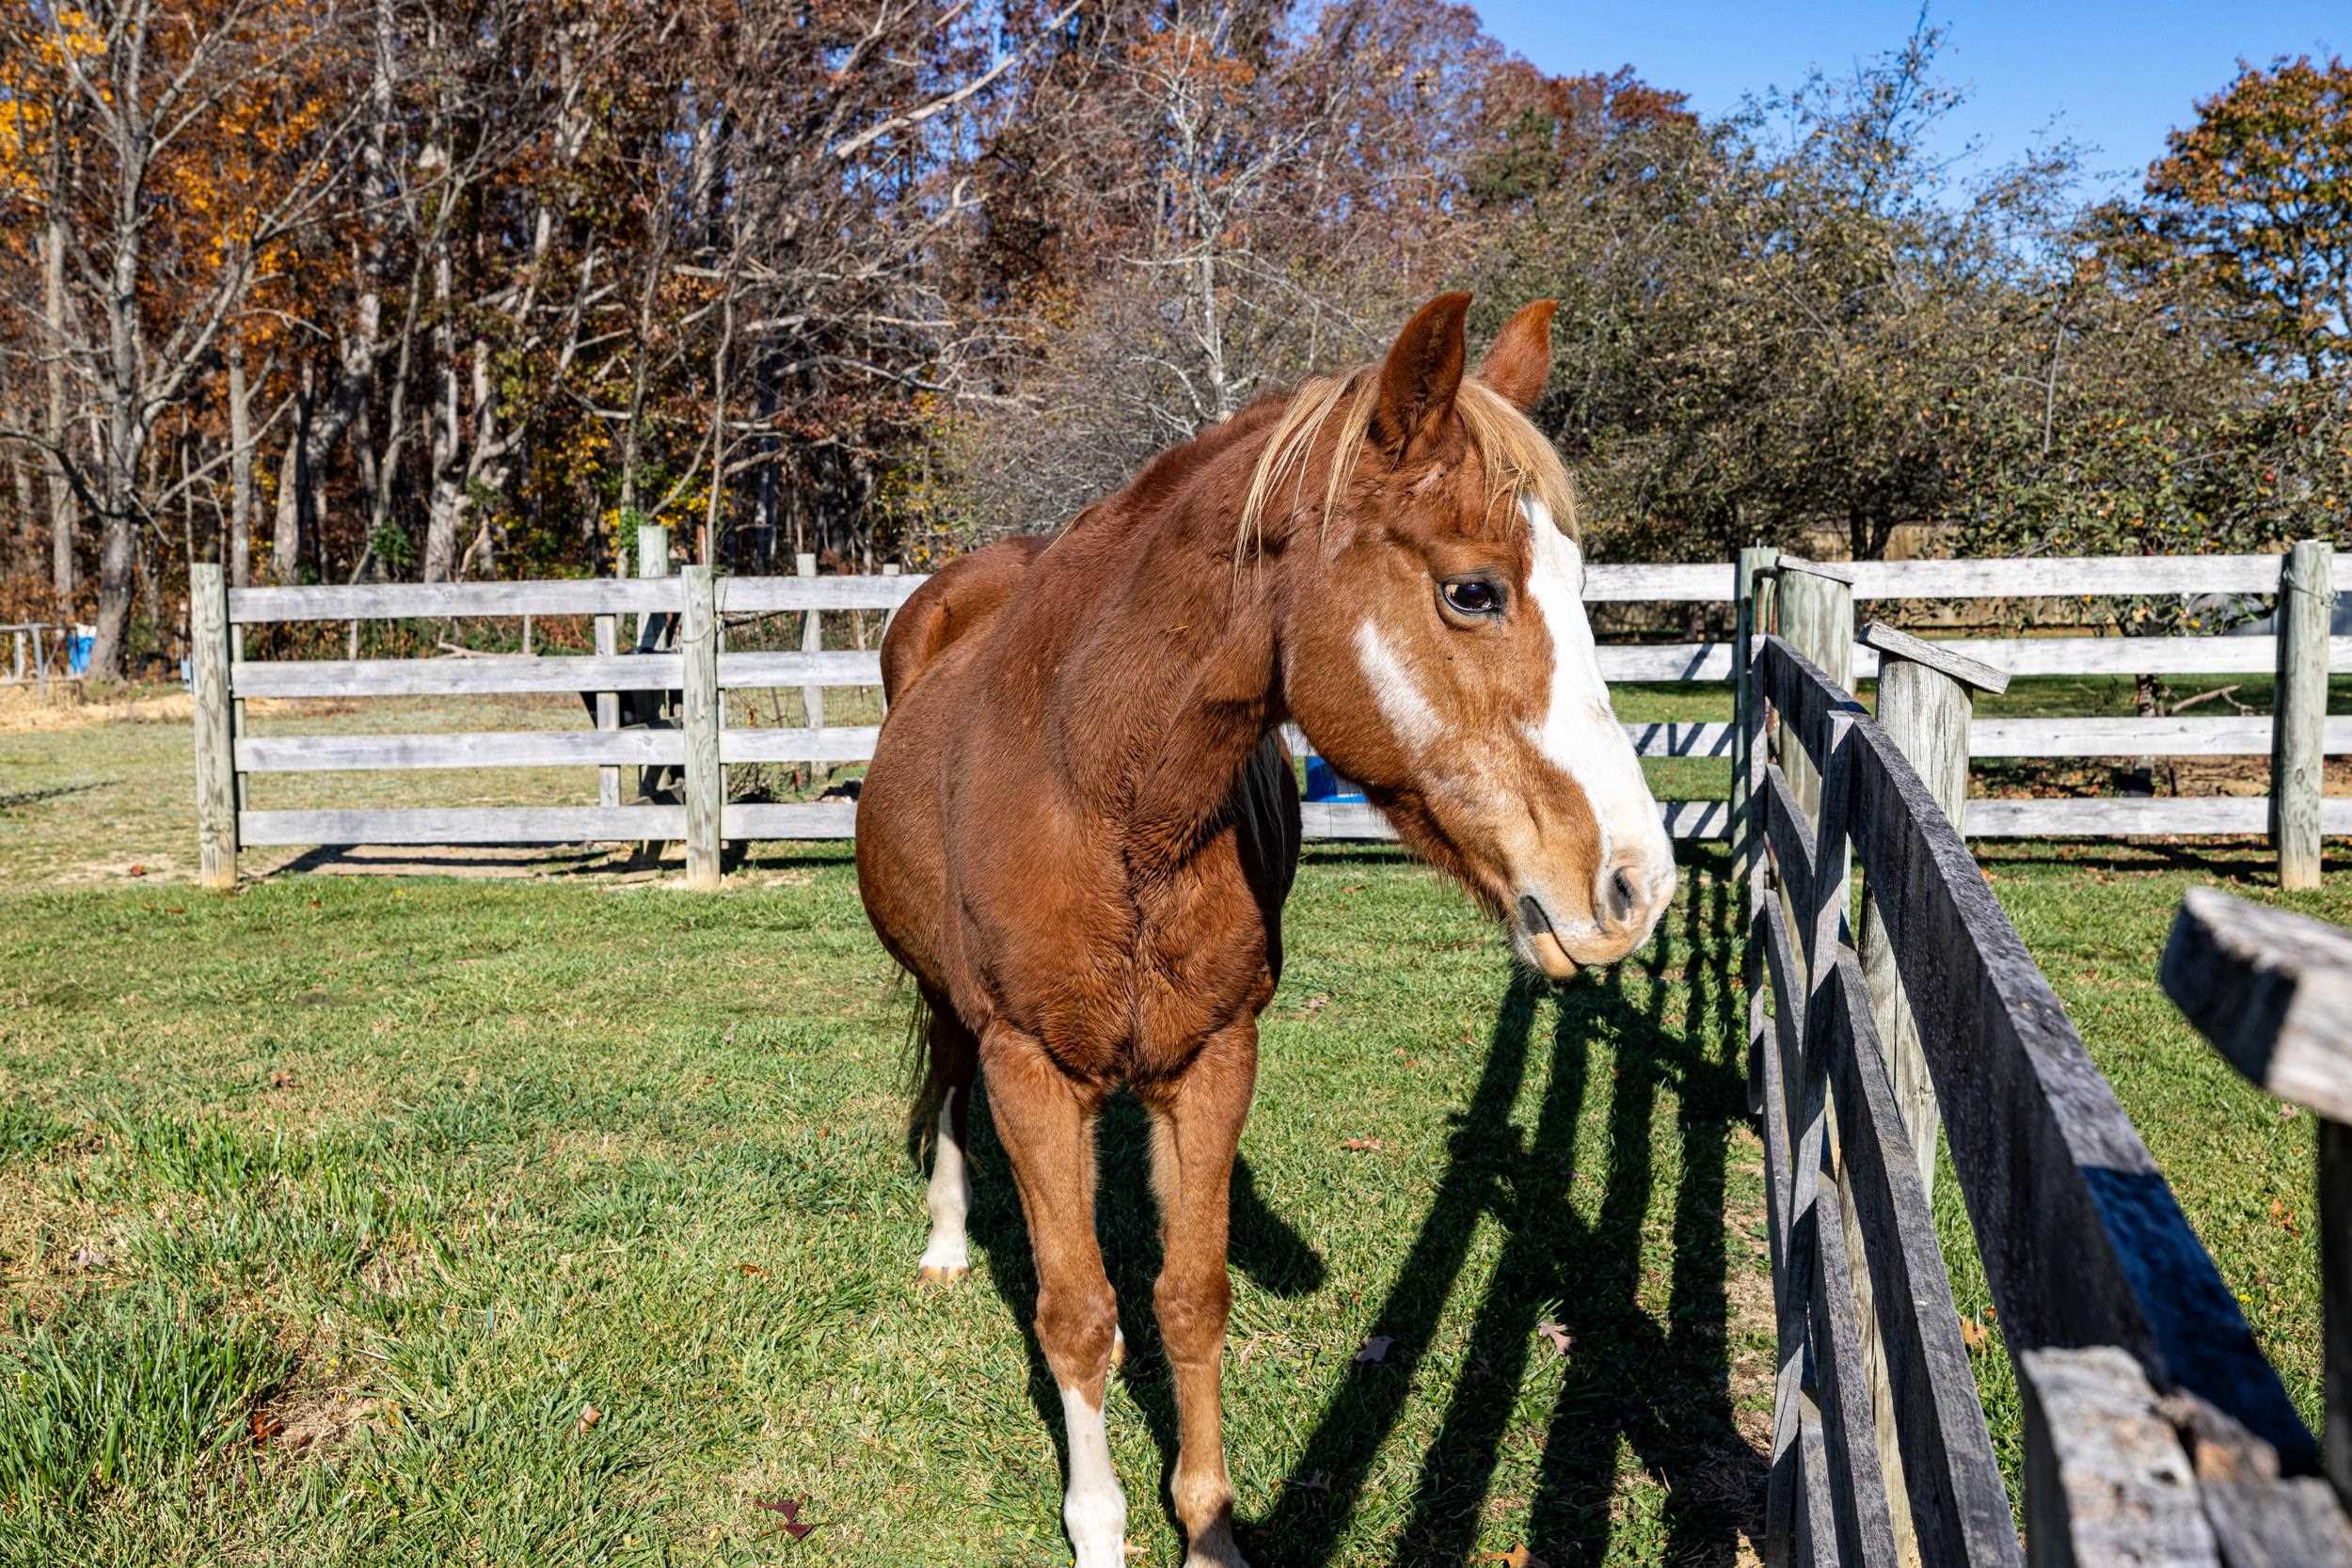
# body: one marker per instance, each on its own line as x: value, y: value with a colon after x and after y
x: 1323, y: 784
x: 77, y: 649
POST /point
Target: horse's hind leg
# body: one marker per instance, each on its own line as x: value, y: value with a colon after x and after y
x: 1195, y: 1130
x: 1046, y: 1124
x: 954, y: 1059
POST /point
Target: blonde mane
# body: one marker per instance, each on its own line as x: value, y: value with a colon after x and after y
x: 1519, y: 463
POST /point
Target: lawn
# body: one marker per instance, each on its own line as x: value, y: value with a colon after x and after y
x: 449, y: 1219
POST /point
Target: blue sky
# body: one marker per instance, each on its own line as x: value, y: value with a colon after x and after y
x: 2114, y: 74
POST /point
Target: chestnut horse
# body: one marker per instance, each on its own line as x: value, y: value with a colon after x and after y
x: 1080, y: 821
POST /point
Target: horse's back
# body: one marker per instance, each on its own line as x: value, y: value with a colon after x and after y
x: 958, y: 600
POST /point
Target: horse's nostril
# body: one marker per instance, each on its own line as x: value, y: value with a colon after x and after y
x: 1622, y: 895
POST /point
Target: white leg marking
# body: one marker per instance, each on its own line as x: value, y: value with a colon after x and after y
x: 950, y: 1195
x: 1398, y: 696
x: 1095, y: 1511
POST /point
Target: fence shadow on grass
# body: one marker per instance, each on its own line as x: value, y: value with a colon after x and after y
x: 1661, y: 1386
x: 1664, y: 1389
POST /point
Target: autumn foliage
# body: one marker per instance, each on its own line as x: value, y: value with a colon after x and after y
x: 338, y: 290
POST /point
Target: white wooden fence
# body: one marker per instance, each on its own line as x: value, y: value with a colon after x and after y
x: 700, y: 668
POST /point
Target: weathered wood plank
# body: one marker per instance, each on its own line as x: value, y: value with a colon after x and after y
x: 847, y: 743
x: 465, y: 825
x: 1889, y: 644
x: 812, y: 641
x: 1817, y: 1544
x: 1789, y: 837
x: 2107, y: 1481
x: 1866, y: 1532
x: 1815, y: 620
x: 2307, y: 603
x: 788, y: 820
x: 2272, y: 989
x: 215, y: 744
x: 2120, y: 655
x: 2044, y: 577
x: 442, y: 677
x: 2082, y: 1240
x: 2187, y: 736
x: 333, y: 753
x: 407, y: 601
x: 2261, y: 1517
x: 791, y: 596
x: 2115, y: 817
x: 1666, y: 661
x: 1649, y: 740
x: 738, y: 671
x: 705, y: 782
x: 1702, y: 583
x: 1958, y: 1510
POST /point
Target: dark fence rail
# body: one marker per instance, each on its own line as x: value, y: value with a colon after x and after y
x: 2143, y: 1386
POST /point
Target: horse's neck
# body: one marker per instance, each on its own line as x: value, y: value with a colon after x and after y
x: 1168, y: 682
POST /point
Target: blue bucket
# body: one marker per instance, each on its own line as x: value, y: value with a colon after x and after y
x: 77, y: 649
x: 1323, y: 784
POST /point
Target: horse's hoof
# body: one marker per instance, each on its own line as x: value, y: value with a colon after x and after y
x: 932, y: 1274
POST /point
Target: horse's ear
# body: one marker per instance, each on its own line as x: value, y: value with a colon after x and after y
x: 1519, y: 362
x: 1421, y: 375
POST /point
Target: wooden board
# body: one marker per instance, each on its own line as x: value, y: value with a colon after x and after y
x: 777, y: 596
x: 418, y: 601
x: 2119, y: 817
x: 847, y: 743
x: 465, y: 825
x: 1857, y: 1488
x: 2107, y: 1481
x: 326, y: 754
x: 2272, y: 990
x: 2120, y: 655
x: 2187, y: 736
x: 788, y: 820
x: 2047, y: 576
x: 453, y: 678
x: 781, y: 670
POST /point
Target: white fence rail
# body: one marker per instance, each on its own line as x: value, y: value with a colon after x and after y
x: 702, y: 748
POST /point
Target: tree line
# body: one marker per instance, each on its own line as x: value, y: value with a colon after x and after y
x: 354, y: 290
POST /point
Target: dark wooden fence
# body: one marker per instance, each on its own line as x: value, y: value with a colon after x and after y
x: 2154, y: 1430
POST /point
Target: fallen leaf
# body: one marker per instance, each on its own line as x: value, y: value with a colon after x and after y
x: 1316, y: 1004
x: 589, y: 1415
x: 791, y: 1508
x: 89, y: 1257
x: 264, y: 1426
x: 1319, y: 1482
x: 1376, y: 1349
x: 1518, y: 1556
x: 173, y: 909
x: 1353, y: 887
x: 1361, y: 1145
x: 1560, y: 1337
x: 280, y: 1079
x: 139, y: 871
x: 1972, y: 1333
x: 2287, y: 1113
x: 751, y: 1268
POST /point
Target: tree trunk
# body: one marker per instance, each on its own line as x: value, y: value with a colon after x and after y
x: 62, y: 574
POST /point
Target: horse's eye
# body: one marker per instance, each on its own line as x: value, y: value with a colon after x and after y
x: 1474, y: 596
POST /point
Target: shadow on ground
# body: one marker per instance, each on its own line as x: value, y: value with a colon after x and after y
x: 1661, y: 1387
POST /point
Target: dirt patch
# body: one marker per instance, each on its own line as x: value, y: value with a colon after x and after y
x: 29, y: 711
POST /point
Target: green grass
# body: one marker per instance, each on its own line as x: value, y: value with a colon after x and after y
x: 327, y: 1207
x: 412, y: 1172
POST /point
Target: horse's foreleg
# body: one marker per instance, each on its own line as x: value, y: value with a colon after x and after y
x: 1046, y: 1126
x: 1195, y: 1130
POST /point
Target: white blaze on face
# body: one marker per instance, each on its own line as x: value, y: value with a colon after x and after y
x: 1398, y: 696
x: 1093, y: 1511
x: 1579, y: 732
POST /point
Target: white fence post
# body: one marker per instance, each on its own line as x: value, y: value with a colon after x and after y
x: 705, y: 781
x: 215, y: 735
x: 2307, y: 603
x: 1926, y: 698
x: 812, y: 641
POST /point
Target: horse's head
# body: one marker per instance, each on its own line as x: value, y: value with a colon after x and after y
x: 1435, y: 645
